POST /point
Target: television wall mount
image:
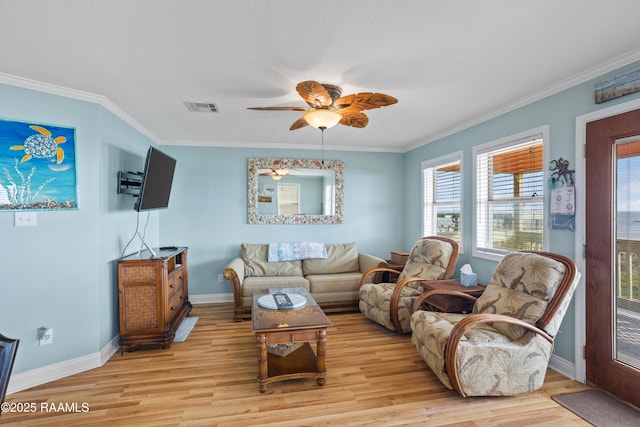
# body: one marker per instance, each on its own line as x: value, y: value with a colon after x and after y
x: 129, y: 183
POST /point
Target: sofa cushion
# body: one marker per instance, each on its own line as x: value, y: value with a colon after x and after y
x: 338, y: 297
x: 340, y: 282
x: 341, y: 258
x: 254, y: 284
x: 256, y: 264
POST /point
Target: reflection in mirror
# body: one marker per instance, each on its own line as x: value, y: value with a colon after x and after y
x: 294, y: 191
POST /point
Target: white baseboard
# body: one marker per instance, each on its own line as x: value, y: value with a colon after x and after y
x: 210, y: 298
x: 45, y: 374
x: 562, y: 366
x: 55, y: 371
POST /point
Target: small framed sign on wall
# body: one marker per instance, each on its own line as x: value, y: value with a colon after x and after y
x: 37, y: 167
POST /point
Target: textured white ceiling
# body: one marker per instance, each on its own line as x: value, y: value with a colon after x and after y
x: 450, y: 63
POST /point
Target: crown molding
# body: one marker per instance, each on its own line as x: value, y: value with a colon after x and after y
x: 80, y: 96
x: 575, y: 80
x: 235, y: 144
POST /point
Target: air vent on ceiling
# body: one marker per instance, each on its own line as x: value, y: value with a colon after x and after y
x: 201, y: 107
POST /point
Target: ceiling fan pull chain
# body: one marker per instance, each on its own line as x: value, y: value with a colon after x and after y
x: 322, y: 130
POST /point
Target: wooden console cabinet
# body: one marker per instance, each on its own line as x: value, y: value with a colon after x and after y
x: 153, y: 296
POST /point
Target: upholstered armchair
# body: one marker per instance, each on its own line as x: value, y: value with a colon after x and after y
x: 503, y: 347
x: 390, y: 304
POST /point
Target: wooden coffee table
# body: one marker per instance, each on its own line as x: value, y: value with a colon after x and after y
x: 306, y: 325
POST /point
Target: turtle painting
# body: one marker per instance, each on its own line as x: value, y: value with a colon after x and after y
x: 41, y: 146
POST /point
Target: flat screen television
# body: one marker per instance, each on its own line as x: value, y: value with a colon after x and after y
x: 157, y: 179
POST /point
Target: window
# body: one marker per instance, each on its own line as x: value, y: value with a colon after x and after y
x: 442, y: 201
x: 288, y: 199
x: 509, y: 202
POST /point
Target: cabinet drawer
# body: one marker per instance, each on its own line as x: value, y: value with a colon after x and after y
x: 174, y: 281
x: 176, y: 300
x: 304, y: 335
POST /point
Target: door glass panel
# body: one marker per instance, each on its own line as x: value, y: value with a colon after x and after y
x: 626, y: 334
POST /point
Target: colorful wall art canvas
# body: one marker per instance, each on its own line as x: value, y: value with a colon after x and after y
x: 37, y: 167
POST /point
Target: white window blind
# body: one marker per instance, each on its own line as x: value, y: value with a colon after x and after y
x: 510, y: 183
x: 442, y: 197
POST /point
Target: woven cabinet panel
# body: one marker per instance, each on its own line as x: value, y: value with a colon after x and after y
x: 139, y: 273
x: 140, y: 307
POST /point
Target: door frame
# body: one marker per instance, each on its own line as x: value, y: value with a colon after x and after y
x: 580, y: 365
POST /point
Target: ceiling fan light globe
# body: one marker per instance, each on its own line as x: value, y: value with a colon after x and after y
x: 322, y: 118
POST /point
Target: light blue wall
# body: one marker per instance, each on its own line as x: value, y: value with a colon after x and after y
x: 208, y: 208
x: 559, y: 111
x: 60, y: 273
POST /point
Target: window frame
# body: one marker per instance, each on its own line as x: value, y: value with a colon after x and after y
x: 428, y: 205
x: 541, y: 132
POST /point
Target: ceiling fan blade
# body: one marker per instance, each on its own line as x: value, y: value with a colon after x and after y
x: 278, y: 108
x: 300, y: 123
x: 314, y: 94
x: 354, y: 118
x: 365, y: 101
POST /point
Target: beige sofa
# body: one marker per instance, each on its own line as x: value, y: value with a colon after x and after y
x: 333, y: 282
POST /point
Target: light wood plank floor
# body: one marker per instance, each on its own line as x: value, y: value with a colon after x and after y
x: 374, y: 377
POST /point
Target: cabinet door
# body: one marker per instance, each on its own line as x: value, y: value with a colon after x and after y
x: 140, y: 297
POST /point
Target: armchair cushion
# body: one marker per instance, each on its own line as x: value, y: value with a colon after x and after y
x: 428, y: 259
x: 501, y: 300
x: 521, y: 287
x: 375, y: 303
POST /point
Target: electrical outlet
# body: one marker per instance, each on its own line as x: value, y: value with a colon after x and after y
x: 220, y: 278
x: 24, y: 219
x: 45, y: 335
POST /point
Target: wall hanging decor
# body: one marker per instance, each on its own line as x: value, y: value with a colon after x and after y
x: 37, y: 167
x: 618, y: 86
x: 562, y: 201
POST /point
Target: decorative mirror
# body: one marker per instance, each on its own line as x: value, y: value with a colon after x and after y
x: 294, y: 191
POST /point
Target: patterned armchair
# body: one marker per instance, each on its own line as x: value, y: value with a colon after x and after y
x: 502, y: 347
x: 390, y: 304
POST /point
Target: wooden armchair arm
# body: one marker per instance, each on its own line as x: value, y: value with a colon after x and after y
x: 395, y: 298
x: 378, y: 270
x: 421, y: 299
x: 468, y: 322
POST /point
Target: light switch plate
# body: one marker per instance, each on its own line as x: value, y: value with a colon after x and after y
x: 24, y: 219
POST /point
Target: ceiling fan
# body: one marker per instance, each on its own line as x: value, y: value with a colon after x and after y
x: 327, y: 107
x: 275, y: 173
